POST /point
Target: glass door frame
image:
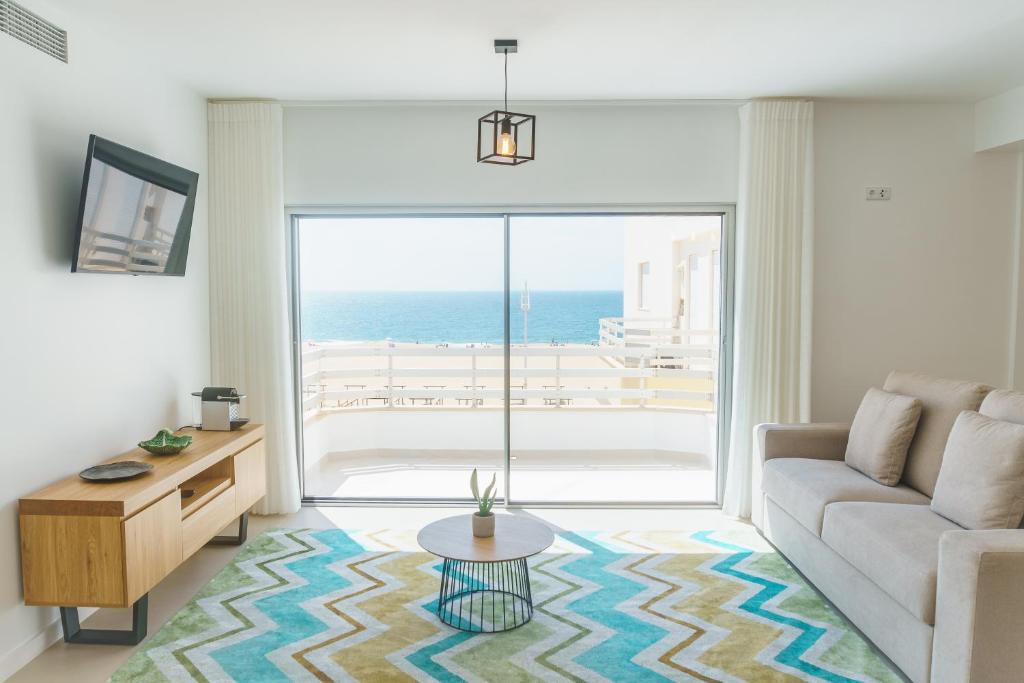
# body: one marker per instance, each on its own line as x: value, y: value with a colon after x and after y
x: 295, y: 214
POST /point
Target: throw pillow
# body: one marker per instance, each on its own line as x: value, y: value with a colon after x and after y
x: 881, y: 434
x: 981, y: 481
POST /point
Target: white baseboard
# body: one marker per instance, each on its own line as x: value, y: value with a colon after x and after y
x: 14, y: 659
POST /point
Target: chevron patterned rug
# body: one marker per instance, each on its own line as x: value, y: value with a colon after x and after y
x: 334, y: 605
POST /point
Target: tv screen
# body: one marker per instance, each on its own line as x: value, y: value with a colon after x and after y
x: 135, y: 214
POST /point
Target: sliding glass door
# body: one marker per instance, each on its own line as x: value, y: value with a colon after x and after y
x: 402, y: 363
x: 614, y: 358
x: 612, y: 370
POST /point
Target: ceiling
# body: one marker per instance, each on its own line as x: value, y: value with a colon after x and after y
x: 573, y: 49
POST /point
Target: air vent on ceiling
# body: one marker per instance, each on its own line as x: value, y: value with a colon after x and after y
x: 33, y: 30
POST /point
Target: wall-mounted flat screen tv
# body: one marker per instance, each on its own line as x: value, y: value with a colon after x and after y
x: 135, y: 214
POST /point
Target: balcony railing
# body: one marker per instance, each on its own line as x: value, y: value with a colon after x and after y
x: 660, y: 332
x: 630, y: 367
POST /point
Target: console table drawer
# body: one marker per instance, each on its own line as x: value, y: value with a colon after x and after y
x: 207, y: 521
x: 250, y: 476
x: 152, y: 545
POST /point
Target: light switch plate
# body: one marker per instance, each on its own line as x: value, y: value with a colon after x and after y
x: 878, y: 193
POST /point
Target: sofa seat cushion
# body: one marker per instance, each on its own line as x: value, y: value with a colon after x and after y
x: 896, y: 546
x: 803, y: 487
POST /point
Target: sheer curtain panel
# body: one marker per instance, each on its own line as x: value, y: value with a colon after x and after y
x: 250, y: 339
x: 771, y: 361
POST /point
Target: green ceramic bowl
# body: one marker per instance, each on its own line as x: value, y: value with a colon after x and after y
x: 166, y: 443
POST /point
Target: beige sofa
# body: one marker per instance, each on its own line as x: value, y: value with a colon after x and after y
x: 944, y: 603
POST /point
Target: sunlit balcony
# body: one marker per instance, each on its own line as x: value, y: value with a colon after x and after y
x: 629, y: 418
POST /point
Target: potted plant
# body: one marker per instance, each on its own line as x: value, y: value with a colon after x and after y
x: 483, y: 519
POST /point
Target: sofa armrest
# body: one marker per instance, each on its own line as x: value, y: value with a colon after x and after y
x: 821, y: 441
x: 979, y: 608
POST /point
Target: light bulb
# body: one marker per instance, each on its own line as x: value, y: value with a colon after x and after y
x: 506, y: 143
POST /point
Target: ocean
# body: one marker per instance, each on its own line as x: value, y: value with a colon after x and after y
x: 454, y: 317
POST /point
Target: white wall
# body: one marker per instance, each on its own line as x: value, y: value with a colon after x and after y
x: 999, y: 120
x: 1016, y: 360
x: 90, y: 364
x: 920, y: 282
x: 586, y: 153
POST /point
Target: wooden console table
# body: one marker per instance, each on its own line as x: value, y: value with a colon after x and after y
x: 86, y: 544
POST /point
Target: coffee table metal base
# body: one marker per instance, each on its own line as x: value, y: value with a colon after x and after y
x: 485, y: 597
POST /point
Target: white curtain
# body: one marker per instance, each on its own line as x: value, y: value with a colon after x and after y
x: 771, y: 354
x: 250, y: 339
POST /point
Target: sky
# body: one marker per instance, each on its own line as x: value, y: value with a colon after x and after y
x: 460, y: 253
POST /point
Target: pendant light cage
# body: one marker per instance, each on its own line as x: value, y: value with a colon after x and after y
x: 505, y: 137
x: 490, y: 128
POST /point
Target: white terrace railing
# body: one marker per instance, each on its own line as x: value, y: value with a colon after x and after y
x: 337, y: 375
x: 650, y: 332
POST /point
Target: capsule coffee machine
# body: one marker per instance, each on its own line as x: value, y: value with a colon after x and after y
x: 217, y: 409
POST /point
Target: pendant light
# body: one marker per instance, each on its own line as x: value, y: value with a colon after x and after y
x: 505, y: 137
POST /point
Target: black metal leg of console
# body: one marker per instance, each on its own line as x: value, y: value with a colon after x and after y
x: 74, y: 633
x: 243, y: 532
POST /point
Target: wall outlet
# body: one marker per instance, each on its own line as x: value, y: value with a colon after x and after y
x: 878, y: 193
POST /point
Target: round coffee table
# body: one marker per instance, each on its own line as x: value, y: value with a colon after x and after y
x: 485, y: 582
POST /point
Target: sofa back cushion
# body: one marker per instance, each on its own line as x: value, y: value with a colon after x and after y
x: 981, y: 484
x: 881, y: 434
x: 1004, y: 405
x: 942, y: 400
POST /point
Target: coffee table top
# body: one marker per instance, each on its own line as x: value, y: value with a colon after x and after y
x: 514, y: 538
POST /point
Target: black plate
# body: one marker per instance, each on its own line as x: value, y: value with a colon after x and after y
x: 115, y: 471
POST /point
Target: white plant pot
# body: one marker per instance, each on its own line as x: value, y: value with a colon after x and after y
x: 483, y: 527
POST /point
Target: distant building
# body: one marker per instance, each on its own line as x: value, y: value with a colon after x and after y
x: 672, y: 272
x: 671, y: 300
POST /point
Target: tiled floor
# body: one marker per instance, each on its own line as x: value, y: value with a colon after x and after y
x: 86, y: 664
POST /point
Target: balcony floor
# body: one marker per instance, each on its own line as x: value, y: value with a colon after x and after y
x: 619, y: 476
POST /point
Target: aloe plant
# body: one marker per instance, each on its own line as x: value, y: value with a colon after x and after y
x: 486, y: 501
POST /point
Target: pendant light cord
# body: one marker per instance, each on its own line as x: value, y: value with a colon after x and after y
x: 506, y: 81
